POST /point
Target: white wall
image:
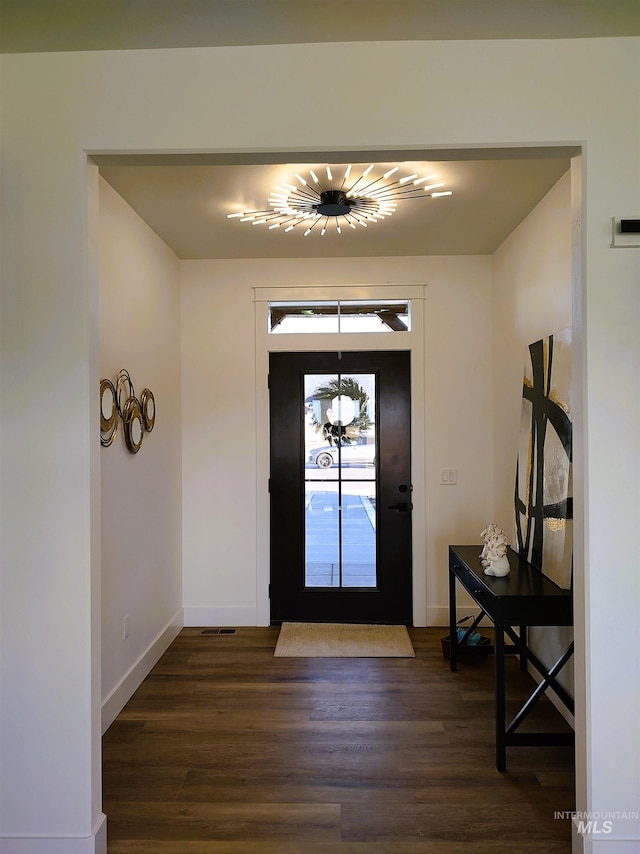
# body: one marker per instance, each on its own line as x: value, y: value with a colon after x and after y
x: 532, y: 298
x: 459, y: 414
x: 140, y: 494
x: 219, y: 418
x: 56, y: 107
x: 219, y: 444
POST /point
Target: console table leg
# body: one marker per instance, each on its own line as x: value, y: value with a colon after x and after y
x: 453, y: 623
x: 523, y: 655
x: 501, y: 745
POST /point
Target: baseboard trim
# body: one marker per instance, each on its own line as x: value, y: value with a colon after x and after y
x: 122, y: 693
x: 94, y: 844
x: 604, y: 842
x: 197, y: 616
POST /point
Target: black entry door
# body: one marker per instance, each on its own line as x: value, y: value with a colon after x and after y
x: 340, y: 486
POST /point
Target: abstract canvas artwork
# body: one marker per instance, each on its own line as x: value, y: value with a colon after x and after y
x: 543, y: 488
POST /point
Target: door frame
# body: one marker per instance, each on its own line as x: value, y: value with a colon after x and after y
x: 413, y: 341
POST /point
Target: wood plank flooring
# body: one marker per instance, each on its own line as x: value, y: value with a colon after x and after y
x: 225, y: 749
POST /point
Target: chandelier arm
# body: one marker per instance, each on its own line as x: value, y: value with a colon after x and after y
x: 297, y: 212
x: 365, y: 203
x: 401, y: 191
x: 355, y: 184
x: 402, y: 197
x: 286, y: 219
x: 428, y: 195
x: 287, y: 205
x: 348, y: 218
x: 256, y: 213
x: 295, y: 222
x: 320, y: 185
x: 292, y: 223
x: 396, y: 183
x: 358, y: 220
x: 370, y: 184
x: 268, y: 216
x: 382, y: 192
x: 303, y: 195
x: 313, y: 225
x: 250, y: 216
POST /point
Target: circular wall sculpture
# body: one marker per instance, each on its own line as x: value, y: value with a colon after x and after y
x: 108, y: 413
x: 118, y: 401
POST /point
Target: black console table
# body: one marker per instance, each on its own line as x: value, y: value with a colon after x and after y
x: 525, y: 597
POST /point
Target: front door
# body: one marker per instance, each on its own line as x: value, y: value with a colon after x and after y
x: 340, y: 487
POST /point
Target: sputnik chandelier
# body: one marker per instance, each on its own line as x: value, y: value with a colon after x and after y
x: 340, y: 200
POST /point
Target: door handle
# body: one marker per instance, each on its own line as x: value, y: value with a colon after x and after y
x: 401, y: 507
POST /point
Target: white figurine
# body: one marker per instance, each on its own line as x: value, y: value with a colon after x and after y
x: 494, y: 553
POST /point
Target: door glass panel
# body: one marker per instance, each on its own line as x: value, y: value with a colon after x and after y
x: 322, y: 535
x: 340, y: 480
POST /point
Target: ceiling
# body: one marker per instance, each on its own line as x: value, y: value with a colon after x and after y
x: 187, y: 205
x: 44, y: 25
x: 186, y: 200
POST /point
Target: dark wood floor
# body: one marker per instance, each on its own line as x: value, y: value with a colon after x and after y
x: 225, y: 749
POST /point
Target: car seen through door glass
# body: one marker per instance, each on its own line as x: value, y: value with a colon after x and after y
x: 358, y: 454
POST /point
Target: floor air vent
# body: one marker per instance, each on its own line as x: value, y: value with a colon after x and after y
x: 218, y: 631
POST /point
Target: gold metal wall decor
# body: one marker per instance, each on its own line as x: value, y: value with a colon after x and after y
x: 118, y: 401
x: 148, y: 405
x: 108, y: 413
x: 133, y: 426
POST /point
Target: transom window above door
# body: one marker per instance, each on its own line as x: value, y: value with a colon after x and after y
x: 322, y: 316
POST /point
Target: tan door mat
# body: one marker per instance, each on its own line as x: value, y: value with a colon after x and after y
x: 343, y: 640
